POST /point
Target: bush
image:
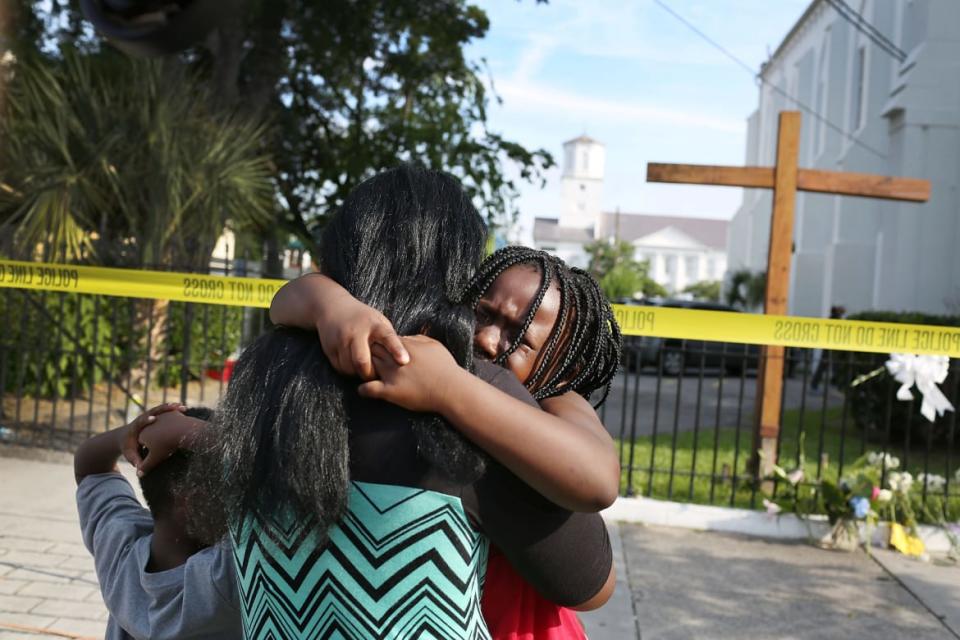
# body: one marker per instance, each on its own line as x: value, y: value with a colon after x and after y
x: 708, y: 290
x: 872, y: 401
x: 56, y: 344
x: 214, y: 333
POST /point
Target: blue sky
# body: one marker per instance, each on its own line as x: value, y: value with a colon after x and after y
x: 629, y: 74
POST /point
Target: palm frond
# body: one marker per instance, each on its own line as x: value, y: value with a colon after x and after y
x: 129, y: 148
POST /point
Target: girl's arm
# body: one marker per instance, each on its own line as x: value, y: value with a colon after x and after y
x: 568, y: 457
x: 347, y: 328
x: 575, y: 409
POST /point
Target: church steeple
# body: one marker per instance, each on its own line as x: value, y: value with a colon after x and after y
x: 582, y: 182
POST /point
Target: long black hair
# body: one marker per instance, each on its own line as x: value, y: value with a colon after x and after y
x: 582, y: 353
x: 405, y: 242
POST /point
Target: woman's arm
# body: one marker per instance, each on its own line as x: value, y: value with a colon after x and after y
x: 566, y: 459
x: 347, y: 328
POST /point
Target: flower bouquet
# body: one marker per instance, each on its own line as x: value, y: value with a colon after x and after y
x: 875, y: 501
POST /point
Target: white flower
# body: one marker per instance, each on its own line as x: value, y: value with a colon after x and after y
x: 772, y: 507
x: 900, y: 481
x: 795, y: 477
x: 875, y: 458
x: 884, y: 495
x: 932, y: 481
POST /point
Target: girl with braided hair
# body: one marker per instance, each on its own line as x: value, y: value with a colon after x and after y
x: 581, y: 353
x: 548, y: 324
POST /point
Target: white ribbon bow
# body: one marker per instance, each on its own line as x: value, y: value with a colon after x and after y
x: 926, y: 372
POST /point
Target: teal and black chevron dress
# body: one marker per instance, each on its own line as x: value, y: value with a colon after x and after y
x: 403, y: 563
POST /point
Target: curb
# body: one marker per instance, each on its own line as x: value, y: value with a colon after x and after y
x: 741, y: 521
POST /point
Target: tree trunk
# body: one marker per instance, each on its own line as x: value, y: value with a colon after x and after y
x: 226, y: 45
x: 150, y: 331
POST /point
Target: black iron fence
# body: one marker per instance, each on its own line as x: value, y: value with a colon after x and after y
x: 682, y: 412
x: 73, y: 365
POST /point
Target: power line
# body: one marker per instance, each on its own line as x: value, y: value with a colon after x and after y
x: 739, y: 62
x: 860, y: 24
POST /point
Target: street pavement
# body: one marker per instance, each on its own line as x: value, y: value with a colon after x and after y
x: 672, y: 583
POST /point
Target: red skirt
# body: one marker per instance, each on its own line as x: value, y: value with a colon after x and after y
x: 513, y: 610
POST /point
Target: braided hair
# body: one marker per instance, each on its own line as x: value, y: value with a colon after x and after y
x: 582, y: 353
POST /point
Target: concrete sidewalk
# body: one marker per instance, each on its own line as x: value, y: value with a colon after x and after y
x: 688, y: 584
x: 48, y: 588
x: 672, y: 583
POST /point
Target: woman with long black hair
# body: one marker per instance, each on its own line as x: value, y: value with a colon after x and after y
x: 355, y: 518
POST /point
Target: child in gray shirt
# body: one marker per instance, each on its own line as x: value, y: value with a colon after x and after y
x: 156, y: 580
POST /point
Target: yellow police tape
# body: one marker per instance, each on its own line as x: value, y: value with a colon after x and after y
x: 788, y: 331
x: 131, y: 283
x: 635, y: 320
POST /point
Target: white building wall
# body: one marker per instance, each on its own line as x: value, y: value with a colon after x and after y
x: 570, y: 252
x: 865, y: 253
x: 671, y: 266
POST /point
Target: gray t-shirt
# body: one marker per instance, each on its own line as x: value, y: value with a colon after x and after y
x: 198, y: 599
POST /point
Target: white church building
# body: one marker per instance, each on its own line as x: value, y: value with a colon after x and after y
x: 901, y: 117
x: 681, y: 251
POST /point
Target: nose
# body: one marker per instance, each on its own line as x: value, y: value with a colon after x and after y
x: 486, y: 339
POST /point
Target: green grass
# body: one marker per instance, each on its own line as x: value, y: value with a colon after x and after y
x: 724, y: 480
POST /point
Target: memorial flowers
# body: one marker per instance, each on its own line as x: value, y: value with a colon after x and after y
x: 932, y: 482
x: 875, y: 496
x: 883, y: 459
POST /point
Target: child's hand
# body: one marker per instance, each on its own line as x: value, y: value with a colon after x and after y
x: 348, y: 329
x: 130, y: 447
x: 420, y: 385
x: 167, y: 433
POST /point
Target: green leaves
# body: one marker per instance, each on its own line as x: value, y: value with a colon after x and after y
x: 349, y: 87
x: 122, y: 159
x: 369, y: 85
x: 705, y: 290
x: 746, y: 289
x: 65, y: 342
x: 619, y: 274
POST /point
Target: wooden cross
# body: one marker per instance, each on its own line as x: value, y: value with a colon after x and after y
x: 785, y: 178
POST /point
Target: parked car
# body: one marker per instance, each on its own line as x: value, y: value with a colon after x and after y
x: 677, y: 356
